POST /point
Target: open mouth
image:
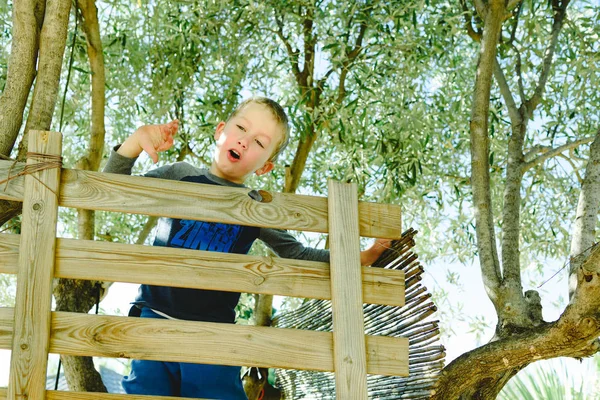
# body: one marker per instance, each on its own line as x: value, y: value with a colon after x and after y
x: 234, y: 154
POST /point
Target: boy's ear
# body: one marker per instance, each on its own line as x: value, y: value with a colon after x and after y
x: 219, y: 130
x: 268, y: 167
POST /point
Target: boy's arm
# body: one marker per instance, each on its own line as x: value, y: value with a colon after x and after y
x: 149, y: 138
x: 286, y: 246
x: 118, y: 164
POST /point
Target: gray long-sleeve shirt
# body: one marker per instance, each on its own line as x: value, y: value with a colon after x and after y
x: 194, y: 304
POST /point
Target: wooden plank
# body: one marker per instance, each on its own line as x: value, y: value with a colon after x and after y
x: 9, y: 253
x: 61, y: 395
x: 197, y: 342
x: 29, y: 357
x: 205, y: 342
x: 11, y: 190
x: 346, y: 292
x: 6, y: 327
x: 105, y: 261
x: 139, y: 195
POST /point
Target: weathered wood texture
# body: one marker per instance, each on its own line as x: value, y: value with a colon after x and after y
x: 6, y: 327
x: 29, y: 357
x: 346, y: 292
x: 60, y: 395
x: 139, y: 195
x: 207, y: 342
x: 104, y: 261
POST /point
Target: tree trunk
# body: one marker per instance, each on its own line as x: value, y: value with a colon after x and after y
x: 51, y: 40
x: 80, y: 296
x: 28, y: 16
x: 484, y: 371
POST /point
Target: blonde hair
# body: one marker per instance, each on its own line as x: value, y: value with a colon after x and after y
x: 280, y: 117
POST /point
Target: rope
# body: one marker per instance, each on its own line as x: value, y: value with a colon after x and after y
x: 46, y: 161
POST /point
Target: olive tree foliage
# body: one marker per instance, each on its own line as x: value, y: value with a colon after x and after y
x: 378, y: 92
x: 534, y: 66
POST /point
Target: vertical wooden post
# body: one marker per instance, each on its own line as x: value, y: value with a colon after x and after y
x: 29, y: 357
x: 350, y: 360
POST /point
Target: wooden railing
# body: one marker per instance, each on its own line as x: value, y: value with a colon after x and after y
x: 31, y: 330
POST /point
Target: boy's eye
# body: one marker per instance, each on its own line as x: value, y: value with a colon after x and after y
x: 241, y: 128
x: 259, y: 143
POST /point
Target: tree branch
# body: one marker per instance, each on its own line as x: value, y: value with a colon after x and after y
x: 484, y: 365
x: 27, y: 16
x: 512, y: 4
x: 480, y: 175
x: 560, y: 11
x: 350, y: 58
x: 513, y: 31
x: 575, y: 170
x: 473, y: 34
x: 591, y: 265
x: 511, y: 213
x: 584, y: 227
x: 292, y: 54
x: 513, y: 110
x: 549, y: 152
x: 53, y: 38
x: 95, y: 54
x: 519, y: 73
x: 481, y: 9
x: 309, y: 48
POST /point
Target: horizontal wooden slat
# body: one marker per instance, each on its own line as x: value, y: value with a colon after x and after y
x: 13, y: 189
x: 206, y: 342
x: 9, y: 253
x: 139, y: 195
x: 6, y: 327
x: 115, y: 262
x: 61, y: 395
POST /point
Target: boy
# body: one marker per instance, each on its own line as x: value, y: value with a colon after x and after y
x: 247, y: 143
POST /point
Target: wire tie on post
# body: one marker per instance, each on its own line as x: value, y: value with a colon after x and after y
x: 47, y: 161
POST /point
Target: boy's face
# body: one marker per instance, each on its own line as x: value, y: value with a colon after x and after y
x: 245, y: 143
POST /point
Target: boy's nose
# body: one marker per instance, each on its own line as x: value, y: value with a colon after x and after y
x: 243, y: 143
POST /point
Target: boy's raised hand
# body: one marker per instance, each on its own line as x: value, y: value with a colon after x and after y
x: 370, y: 255
x: 151, y: 139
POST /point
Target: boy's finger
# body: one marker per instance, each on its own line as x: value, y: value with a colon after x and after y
x: 166, y: 145
x: 148, y: 147
x: 154, y: 156
x: 170, y: 128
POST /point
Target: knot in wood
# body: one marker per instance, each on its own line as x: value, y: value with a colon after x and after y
x: 37, y: 206
x: 588, y: 325
x: 261, y: 196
